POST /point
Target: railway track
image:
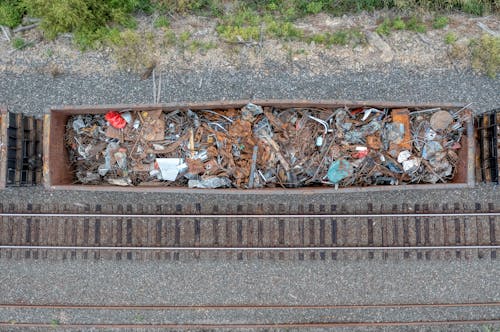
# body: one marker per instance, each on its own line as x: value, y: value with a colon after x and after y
x: 316, y: 232
x: 249, y: 316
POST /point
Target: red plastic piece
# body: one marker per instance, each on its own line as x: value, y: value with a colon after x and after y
x: 360, y: 154
x: 115, y: 119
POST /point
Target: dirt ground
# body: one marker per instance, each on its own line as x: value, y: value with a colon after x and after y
x: 401, y: 48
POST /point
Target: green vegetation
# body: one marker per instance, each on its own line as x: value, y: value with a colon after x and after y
x: 440, y: 22
x: 19, y: 43
x: 88, y: 19
x: 200, y: 46
x: 132, y: 50
x: 314, y: 7
x: 184, y: 36
x: 11, y: 13
x: 398, y: 24
x: 169, y: 38
x: 412, y: 24
x: 185, y: 42
x: 243, y: 25
x: 450, y: 38
x: 161, y: 22
x: 385, y: 27
x: 341, y: 37
x: 415, y: 24
x: 236, y: 33
x: 475, y: 7
x: 485, y: 53
x: 292, y: 9
x: 488, y: 328
x: 199, y: 7
x: 92, y: 21
x: 97, y: 23
x: 283, y: 30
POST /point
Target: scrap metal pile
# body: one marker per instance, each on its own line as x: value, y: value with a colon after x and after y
x: 257, y: 147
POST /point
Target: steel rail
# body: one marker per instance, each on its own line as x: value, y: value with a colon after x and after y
x: 264, y: 216
x: 134, y: 248
x: 255, y: 325
x: 245, y: 306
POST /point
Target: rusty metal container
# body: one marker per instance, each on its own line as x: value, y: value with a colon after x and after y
x: 58, y: 174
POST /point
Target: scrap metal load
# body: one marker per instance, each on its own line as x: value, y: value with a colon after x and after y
x: 258, y: 147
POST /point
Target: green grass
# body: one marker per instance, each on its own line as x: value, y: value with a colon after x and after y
x: 169, y: 38
x: 185, y: 42
x: 488, y: 328
x: 450, y: 38
x: 243, y: 24
x: 92, y: 20
x: 440, y: 22
x: 161, y: 22
x: 19, y: 43
x: 413, y: 23
x: 485, y: 55
x: 59, y: 16
x: 292, y: 9
x: 97, y: 23
x: 341, y: 38
x: 200, y: 46
x: 89, y: 20
x: 198, y: 7
x: 139, y: 318
x: 184, y: 36
x: 283, y: 30
x: 131, y: 50
x: 314, y: 7
x: 398, y: 24
x: 475, y: 7
x: 235, y: 33
x: 385, y: 27
x: 11, y: 13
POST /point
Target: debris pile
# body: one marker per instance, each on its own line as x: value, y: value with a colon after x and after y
x: 257, y: 147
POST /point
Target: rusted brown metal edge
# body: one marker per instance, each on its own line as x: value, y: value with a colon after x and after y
x: 266, y: 191
x: 4, y: 124
x: 471, y: 154
x: 68, y: 109
x: 46, y: 149
x: 261, y: 102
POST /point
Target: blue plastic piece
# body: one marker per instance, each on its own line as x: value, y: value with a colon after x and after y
x: 394, y: 168
x: 339, y: 169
